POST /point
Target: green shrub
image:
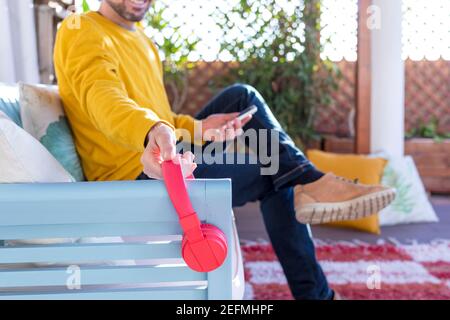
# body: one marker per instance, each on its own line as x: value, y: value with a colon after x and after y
x: 278, y: 52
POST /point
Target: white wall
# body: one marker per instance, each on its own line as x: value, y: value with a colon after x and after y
x: 388, y: 83
x: 18, y: 54
x: 7, y: 70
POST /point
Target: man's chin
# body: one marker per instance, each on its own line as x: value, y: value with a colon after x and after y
x: 134, y: 18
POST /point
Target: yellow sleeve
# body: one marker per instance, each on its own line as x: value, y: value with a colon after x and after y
x: 190, y: 125
x: 92, y: 71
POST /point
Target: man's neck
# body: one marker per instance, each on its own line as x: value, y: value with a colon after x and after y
x: 109, y: 13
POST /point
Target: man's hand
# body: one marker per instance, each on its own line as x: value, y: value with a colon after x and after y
x: 161, y: 147
x: 223, y: 126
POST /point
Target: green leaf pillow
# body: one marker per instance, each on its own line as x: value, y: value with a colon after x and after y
x: 43, y: 117
x: 9, y: 102
x: 411, y: 204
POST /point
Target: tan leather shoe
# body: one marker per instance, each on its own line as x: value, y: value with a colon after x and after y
x: 333, y: 198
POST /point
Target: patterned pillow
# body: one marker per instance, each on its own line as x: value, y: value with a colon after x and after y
x: 411, y: 204
x: 43, y: 117
x: 9, y: 102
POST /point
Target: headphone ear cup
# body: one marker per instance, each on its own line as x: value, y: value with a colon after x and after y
x: 206, y: 227
x: 212, y: 233
x: 217, y: 248
x: 209, y: 249
x: 189, y: 256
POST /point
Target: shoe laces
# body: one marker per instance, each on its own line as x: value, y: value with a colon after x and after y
x: 354, y: 181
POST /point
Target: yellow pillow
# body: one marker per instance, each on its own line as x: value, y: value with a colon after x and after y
x: 366, y: 170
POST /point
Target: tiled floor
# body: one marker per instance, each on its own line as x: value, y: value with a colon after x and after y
x: 251, y: 227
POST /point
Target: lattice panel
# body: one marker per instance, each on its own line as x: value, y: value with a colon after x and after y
x: 200, y: 92
x: 336, y: 119
x: 426, y: 34
x: 339, y: 34
x: 332, y: 120
x: 427, y: 93
x: 426, y: 29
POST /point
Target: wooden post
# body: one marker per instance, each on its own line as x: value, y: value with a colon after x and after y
x: 46, y: 24
x: 45, y: 30
x: 363, y: 81
x: 7, y: 68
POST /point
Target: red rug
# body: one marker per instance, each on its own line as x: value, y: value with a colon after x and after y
x: 359, y: 271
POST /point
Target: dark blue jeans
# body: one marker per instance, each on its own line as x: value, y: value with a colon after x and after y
x: 290, y: 239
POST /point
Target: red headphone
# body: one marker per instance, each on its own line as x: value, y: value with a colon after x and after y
x: 204, y: 246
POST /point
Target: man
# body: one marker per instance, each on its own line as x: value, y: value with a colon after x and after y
x: 111, y: 82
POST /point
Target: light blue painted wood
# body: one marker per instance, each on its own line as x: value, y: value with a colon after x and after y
x: 31, y: 211
x: 89, y: 252
x: 197, y: 294
x: 90, y: 230
x: 87, y: 202
x: 219, y: 210
x: 99, y: 276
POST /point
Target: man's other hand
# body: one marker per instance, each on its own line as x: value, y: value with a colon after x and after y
x: 223, y: 126
x: 161, y: 146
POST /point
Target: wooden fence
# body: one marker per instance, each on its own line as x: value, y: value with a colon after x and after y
x: 427, y: 95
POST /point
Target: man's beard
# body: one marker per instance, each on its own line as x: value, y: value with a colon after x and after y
x: 121, y: 10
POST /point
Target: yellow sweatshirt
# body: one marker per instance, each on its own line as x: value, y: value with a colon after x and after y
x: 111, y: 83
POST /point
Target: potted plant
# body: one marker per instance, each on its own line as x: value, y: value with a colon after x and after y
x: 429, y: 147
x: 431, y: 151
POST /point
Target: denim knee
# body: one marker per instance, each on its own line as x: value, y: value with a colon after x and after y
x: 242, y: 90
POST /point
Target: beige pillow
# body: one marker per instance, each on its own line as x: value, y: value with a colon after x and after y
x: 23, y: 159
x: 43, y: 117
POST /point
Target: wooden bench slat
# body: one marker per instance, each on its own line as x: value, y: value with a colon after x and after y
x: 98, y: 276
x: 78, y: 203
x: 192, y: 294
x: 89, y: 252
x: 90, y: 230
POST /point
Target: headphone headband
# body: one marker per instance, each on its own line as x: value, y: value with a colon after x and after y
x: 204, y: 246
x: 176, y: 188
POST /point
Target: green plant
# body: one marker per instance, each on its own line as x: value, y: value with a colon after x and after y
x: 277, y: 49
x: 175, y: 50
x: 85, y: 6
x: 428, y: 130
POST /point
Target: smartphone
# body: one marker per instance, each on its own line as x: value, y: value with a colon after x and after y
x: 249, y: 111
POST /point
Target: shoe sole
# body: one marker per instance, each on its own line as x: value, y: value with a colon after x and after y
x: 318, y: 213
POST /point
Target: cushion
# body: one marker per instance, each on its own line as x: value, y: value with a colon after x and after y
x: 367, y: 170
x: 23, y: 159
x: 43, y: 117
x: 411, y: 204
x: 9, y: 102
